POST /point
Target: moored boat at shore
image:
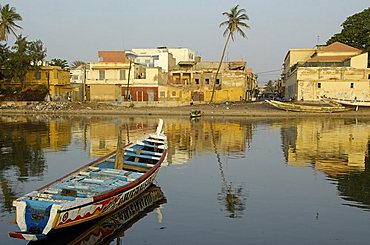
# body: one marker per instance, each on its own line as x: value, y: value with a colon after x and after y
x: 355, y: 102
x: 92, y: 191
x: 289, y: 106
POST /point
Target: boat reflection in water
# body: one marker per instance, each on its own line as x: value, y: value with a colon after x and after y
x: 112, y: 226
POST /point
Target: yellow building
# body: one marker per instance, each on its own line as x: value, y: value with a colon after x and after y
x: 114, y: 75
x: 194, y: 81
x: 336, y: 71
x: 54, y: 77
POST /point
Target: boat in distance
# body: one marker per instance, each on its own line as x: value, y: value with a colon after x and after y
x: 92, y: 191
x: 195, y: 113
x: 306, y: 108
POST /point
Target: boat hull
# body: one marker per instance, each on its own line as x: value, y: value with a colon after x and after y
x: 92, y: 191
x: 306, y: 108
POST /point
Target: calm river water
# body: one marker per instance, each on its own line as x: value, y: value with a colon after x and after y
x: 225, y: 181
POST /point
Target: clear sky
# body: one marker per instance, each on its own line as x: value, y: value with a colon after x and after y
x: 77, y: 29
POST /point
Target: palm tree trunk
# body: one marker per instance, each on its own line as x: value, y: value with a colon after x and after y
x: 219, y: 67
x: 128, y: 95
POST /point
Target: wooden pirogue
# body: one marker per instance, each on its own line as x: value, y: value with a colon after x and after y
x: 93, y: 190
x: 306, y: 108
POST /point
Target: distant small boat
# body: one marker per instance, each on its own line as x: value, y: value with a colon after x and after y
x: 306, y: 108
x: 92, y: 191
x: 195, y: 113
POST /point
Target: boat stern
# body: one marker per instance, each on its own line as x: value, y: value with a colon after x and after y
x: 34, y: 219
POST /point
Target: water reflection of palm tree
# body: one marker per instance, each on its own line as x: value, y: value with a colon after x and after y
x: 233, y: 198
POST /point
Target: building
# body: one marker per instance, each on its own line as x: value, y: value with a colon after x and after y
x: 162, y: 57
x: 336, y: 70
x: 193, y: 81
x: 54, y: 77
x: 115, y: 78
x: 77, y: 80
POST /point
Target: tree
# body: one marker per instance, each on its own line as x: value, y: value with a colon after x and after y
x: 59, y: 62
x: 19, y: 61
x: 355, y: 32
x: 8, y: 25
x: 36, y: 52
x: 4, y: 57
x: 270, y: 87
x: 25, y: 55
x: 77, y: 63
x: 234, y: 24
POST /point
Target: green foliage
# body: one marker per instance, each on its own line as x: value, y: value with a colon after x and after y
x: 270, y: 87
x: 77, y: 63
x: 8, y: 20
x: 355, y: 32
x: 36, y: 52
x: 59, y: 62
x: 19, y: 60
x: 37, y: 93
x: 235, y: 22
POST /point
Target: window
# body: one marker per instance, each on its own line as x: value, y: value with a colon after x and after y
x: 122, y: 74
x: 196, y: 80
x: 217, y: 81
x: 162, y: 94
x: 101, y: 74
x: 207, y: 80
x: 318, y: 85
x: 352, y: 85
x: 173, y: 93
x: 37, y: 75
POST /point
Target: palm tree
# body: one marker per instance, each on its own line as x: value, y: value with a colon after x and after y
x: 8, y: 21
x: 234, y: 23
x: 77, y: 63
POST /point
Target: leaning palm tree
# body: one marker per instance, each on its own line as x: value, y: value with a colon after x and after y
x: 8, y: 21
x: 234, y: 23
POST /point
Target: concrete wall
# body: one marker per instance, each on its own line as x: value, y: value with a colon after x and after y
x: 359, y: 61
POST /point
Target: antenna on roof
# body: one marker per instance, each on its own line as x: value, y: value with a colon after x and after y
x: 318, y: 40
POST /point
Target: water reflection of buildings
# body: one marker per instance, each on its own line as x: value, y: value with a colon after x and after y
x: 335, y: 147
x: 187, y: 138
x: 339, y: 148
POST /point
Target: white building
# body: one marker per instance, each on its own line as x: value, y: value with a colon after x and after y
x: 162, y: 57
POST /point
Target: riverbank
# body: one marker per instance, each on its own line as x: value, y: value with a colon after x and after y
x: 254, y: 109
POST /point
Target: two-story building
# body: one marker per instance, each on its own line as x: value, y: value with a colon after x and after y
x: 55, y: 78
x: 336, y: 70
x: 116, y: 78
x: 193, y: 80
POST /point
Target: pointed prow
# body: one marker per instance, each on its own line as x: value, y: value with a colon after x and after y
x: 159, y: 127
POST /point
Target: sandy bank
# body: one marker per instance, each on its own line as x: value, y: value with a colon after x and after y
x: 255, y: 109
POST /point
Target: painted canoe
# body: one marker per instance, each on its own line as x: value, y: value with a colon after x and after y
x: 92, y: 191
x: 356, y: 103
x: 111, y: 226
x: 306, y: 108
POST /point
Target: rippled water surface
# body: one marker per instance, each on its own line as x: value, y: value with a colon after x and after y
x: 225, y: 181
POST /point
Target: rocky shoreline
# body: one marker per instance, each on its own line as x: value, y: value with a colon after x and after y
x: 254, y: 109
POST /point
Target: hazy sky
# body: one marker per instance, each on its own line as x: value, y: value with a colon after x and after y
x: 77, y: 29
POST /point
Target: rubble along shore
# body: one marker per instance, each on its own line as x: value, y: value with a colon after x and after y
x: 252, y: 109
